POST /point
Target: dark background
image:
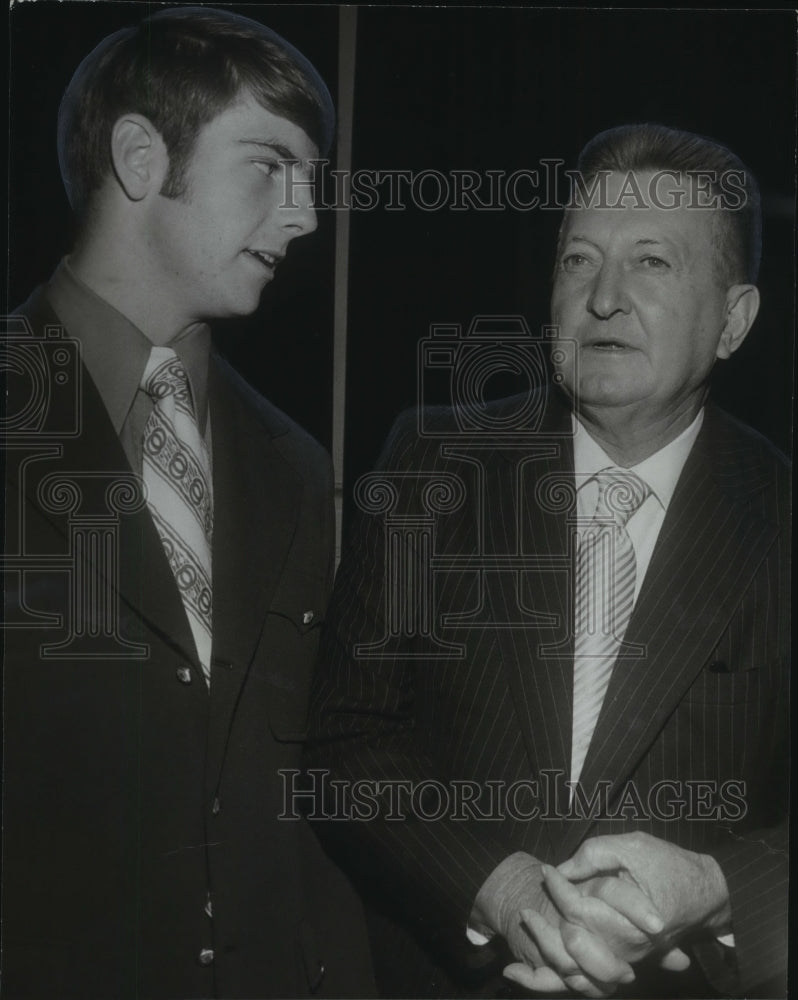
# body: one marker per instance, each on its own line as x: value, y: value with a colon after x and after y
x: 453, y: 88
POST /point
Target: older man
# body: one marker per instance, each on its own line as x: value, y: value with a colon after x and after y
x: 609, y: 614
x: 170, y: 548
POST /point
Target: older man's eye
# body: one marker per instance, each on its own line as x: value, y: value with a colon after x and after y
x: 655, y: 263
x: 573, y: 261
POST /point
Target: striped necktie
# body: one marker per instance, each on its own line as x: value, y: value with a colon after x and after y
x: 176, y: 472
x: 605, y: 587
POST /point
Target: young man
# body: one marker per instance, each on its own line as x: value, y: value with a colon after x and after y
x: 172, y: 544
x: 603, y: 663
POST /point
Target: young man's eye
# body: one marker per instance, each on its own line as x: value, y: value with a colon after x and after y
x: 268, y: 167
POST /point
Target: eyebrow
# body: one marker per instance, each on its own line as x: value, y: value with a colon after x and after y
x: 277, y: 147
x: 643, y: 241
x: 579, y: 239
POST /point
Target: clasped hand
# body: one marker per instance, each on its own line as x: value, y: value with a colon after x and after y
x: 630, y: 896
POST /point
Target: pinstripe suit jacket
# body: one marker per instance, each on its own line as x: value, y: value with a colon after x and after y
x: 691, y: 744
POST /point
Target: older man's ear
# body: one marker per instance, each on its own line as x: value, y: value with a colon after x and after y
x: 742, y: 306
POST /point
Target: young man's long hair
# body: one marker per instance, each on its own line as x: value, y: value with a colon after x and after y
x: 180, y: 68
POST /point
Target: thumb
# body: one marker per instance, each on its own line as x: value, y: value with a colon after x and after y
x: 540, y: 980
x: 591, y: 859
x: 675, y: 960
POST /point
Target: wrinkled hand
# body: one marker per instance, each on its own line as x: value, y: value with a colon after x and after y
x: 513, y: 903
x: 689, y: 890
x: 587, y: 939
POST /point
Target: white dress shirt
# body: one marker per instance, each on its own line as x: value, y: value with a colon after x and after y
x: 660, y: 472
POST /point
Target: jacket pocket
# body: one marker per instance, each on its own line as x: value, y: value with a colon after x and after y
x: 286, y: 659
x: 718, y: 685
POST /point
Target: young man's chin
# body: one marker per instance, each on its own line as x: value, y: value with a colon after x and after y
x: 242, y: 305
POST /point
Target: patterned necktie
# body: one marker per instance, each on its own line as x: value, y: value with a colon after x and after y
x: 176, y: 473
x: 605, y: 587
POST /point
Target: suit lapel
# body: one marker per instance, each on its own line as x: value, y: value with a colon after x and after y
x: 538, y: 659
x: 709, y: 546
x: 256, y: 500
x: 91, y: 467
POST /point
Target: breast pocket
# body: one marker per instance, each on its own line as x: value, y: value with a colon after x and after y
x: 717, y: 684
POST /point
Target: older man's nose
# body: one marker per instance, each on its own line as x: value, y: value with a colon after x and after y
x: 608, y: 294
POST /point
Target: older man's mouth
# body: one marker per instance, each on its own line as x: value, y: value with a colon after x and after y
x: 609, y: 346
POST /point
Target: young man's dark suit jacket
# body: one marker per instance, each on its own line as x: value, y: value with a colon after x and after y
x: 706, y: 702
x: 129, y: 793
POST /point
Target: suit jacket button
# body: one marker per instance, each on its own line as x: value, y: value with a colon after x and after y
x: 184, y: 675
x: 206, y: 956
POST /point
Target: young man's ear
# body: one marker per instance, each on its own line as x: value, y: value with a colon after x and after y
x: 139, y: 156
x: 742, y: 305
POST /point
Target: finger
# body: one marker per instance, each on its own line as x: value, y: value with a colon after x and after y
x: 675, y: 960
x: 628, y: 899
x: 567, y: 898
x: 594, y: 857
x: 594, y: 957
x: 575, y: 952
x: 542, y: 980
x: 614, y: 898
x: 583, y: 985
x: 550, y: 945
x: 545, y: 980
x: 617, y: 935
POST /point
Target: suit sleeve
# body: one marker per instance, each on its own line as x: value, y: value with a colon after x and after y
x: 756, y: 873
x: 755, y: 864
x: 365, y: 730
x: 755, y: 861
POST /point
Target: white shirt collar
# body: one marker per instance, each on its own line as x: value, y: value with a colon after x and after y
x: 659, y: 471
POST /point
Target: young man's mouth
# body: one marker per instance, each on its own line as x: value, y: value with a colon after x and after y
x: 267, y: 259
